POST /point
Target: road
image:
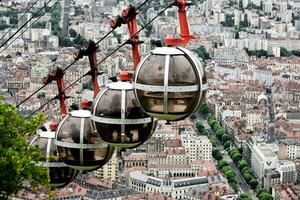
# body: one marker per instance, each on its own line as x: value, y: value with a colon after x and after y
x: 242, y: 185
x: 271, y: 134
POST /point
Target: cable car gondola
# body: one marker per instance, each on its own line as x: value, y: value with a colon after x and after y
x: 118, y: 117
x: 60, y: 174
x: 170, y: 83
x: 78, y: 144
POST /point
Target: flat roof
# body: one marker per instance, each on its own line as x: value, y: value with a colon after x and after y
x: 268, y: 153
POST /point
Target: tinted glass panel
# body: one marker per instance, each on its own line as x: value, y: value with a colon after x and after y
x: 181, y: 102
x: 62, y: 175
x: 133, y: 109
x: 70, y: 130
x: 151, y: 101
x: 153, y: 70
x: 90, y: 136
x: 109, y: 132
x: 137, y: 132
x: 53, y: 157
x: 110, y: 105
x: 181, y: 72
x: 41, y: 143
x: 91, y: 157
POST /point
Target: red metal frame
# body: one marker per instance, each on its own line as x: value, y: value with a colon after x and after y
x: 90, y: 50
x: 129, y: 17
x: 58, y: 76
x: 185, y: 35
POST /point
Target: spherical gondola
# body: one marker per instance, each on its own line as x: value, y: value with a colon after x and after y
x: 118, y: 117
x: 60, y: 174
x: 79, y: 145
x: 170, y: 83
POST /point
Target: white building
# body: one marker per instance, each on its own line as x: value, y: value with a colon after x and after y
x: 110, y: 170
x: 262, y: 159
x: 173, y: 188
x: 267, y: 6
x: 197, y: 147
x: 287, y: 170
x: 263, y: 76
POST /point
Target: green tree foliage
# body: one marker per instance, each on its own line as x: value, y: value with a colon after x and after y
x: 16, y: 155
x: 72, y: 33
x: 41, y: 95
x: 39, y: 25
x: 55, y: 18
x: 236, y: 157
x: 242, y: 164
x: 4, y: 26
x: 261, y: 190
x: 222, y: 163
x: 253, y: 183
x: 227, y: 144
x: 118, y: 36
x: 265, y: 196
x: 225, y: 138
x: 245, y: 196
x: 204, y: 109
x: 285, y: 53
x: 296, y: 53
x: 87, y: 85
x: 201, y: 52
x: 65, y: 42
x: 79, y: 41
x: 12, y: 14
x: 229, y: 20
x: 257, y: 53
x: 79, y: 11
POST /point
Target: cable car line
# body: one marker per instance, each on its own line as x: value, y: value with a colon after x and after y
x: 160, y: 13
x: 106, y: 35
x: 25, y: 25
x: 147, y: 24
x: 27, y: 11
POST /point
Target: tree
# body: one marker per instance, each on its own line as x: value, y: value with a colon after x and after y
x: 204, y: 109
x: 79, y: 41
x: 201, y: 52
x: 265, y: 196
x: 218, y: 156
x: 39, y: 25
x: 118, y: 36
x: 16, y: 155
x: 199, y: 126
x: 41, y: 95
x: 253, y: 183
x: 260, y: 190
x: 245, y: 169
x: 229, y: 21
x: 55, y: 19
x: 237, y: 35
x: 78, y: 11
x: 242, y: 164
x: 225, y: 138
x: 65, y: 42
x: 284, y: 52
x: 222, y: 163
x: 72, y: 33
x: 245, y: 196
x: 247, y: 176
x: 227, y: 144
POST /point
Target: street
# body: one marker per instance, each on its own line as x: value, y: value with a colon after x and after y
x: 242, y: 185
